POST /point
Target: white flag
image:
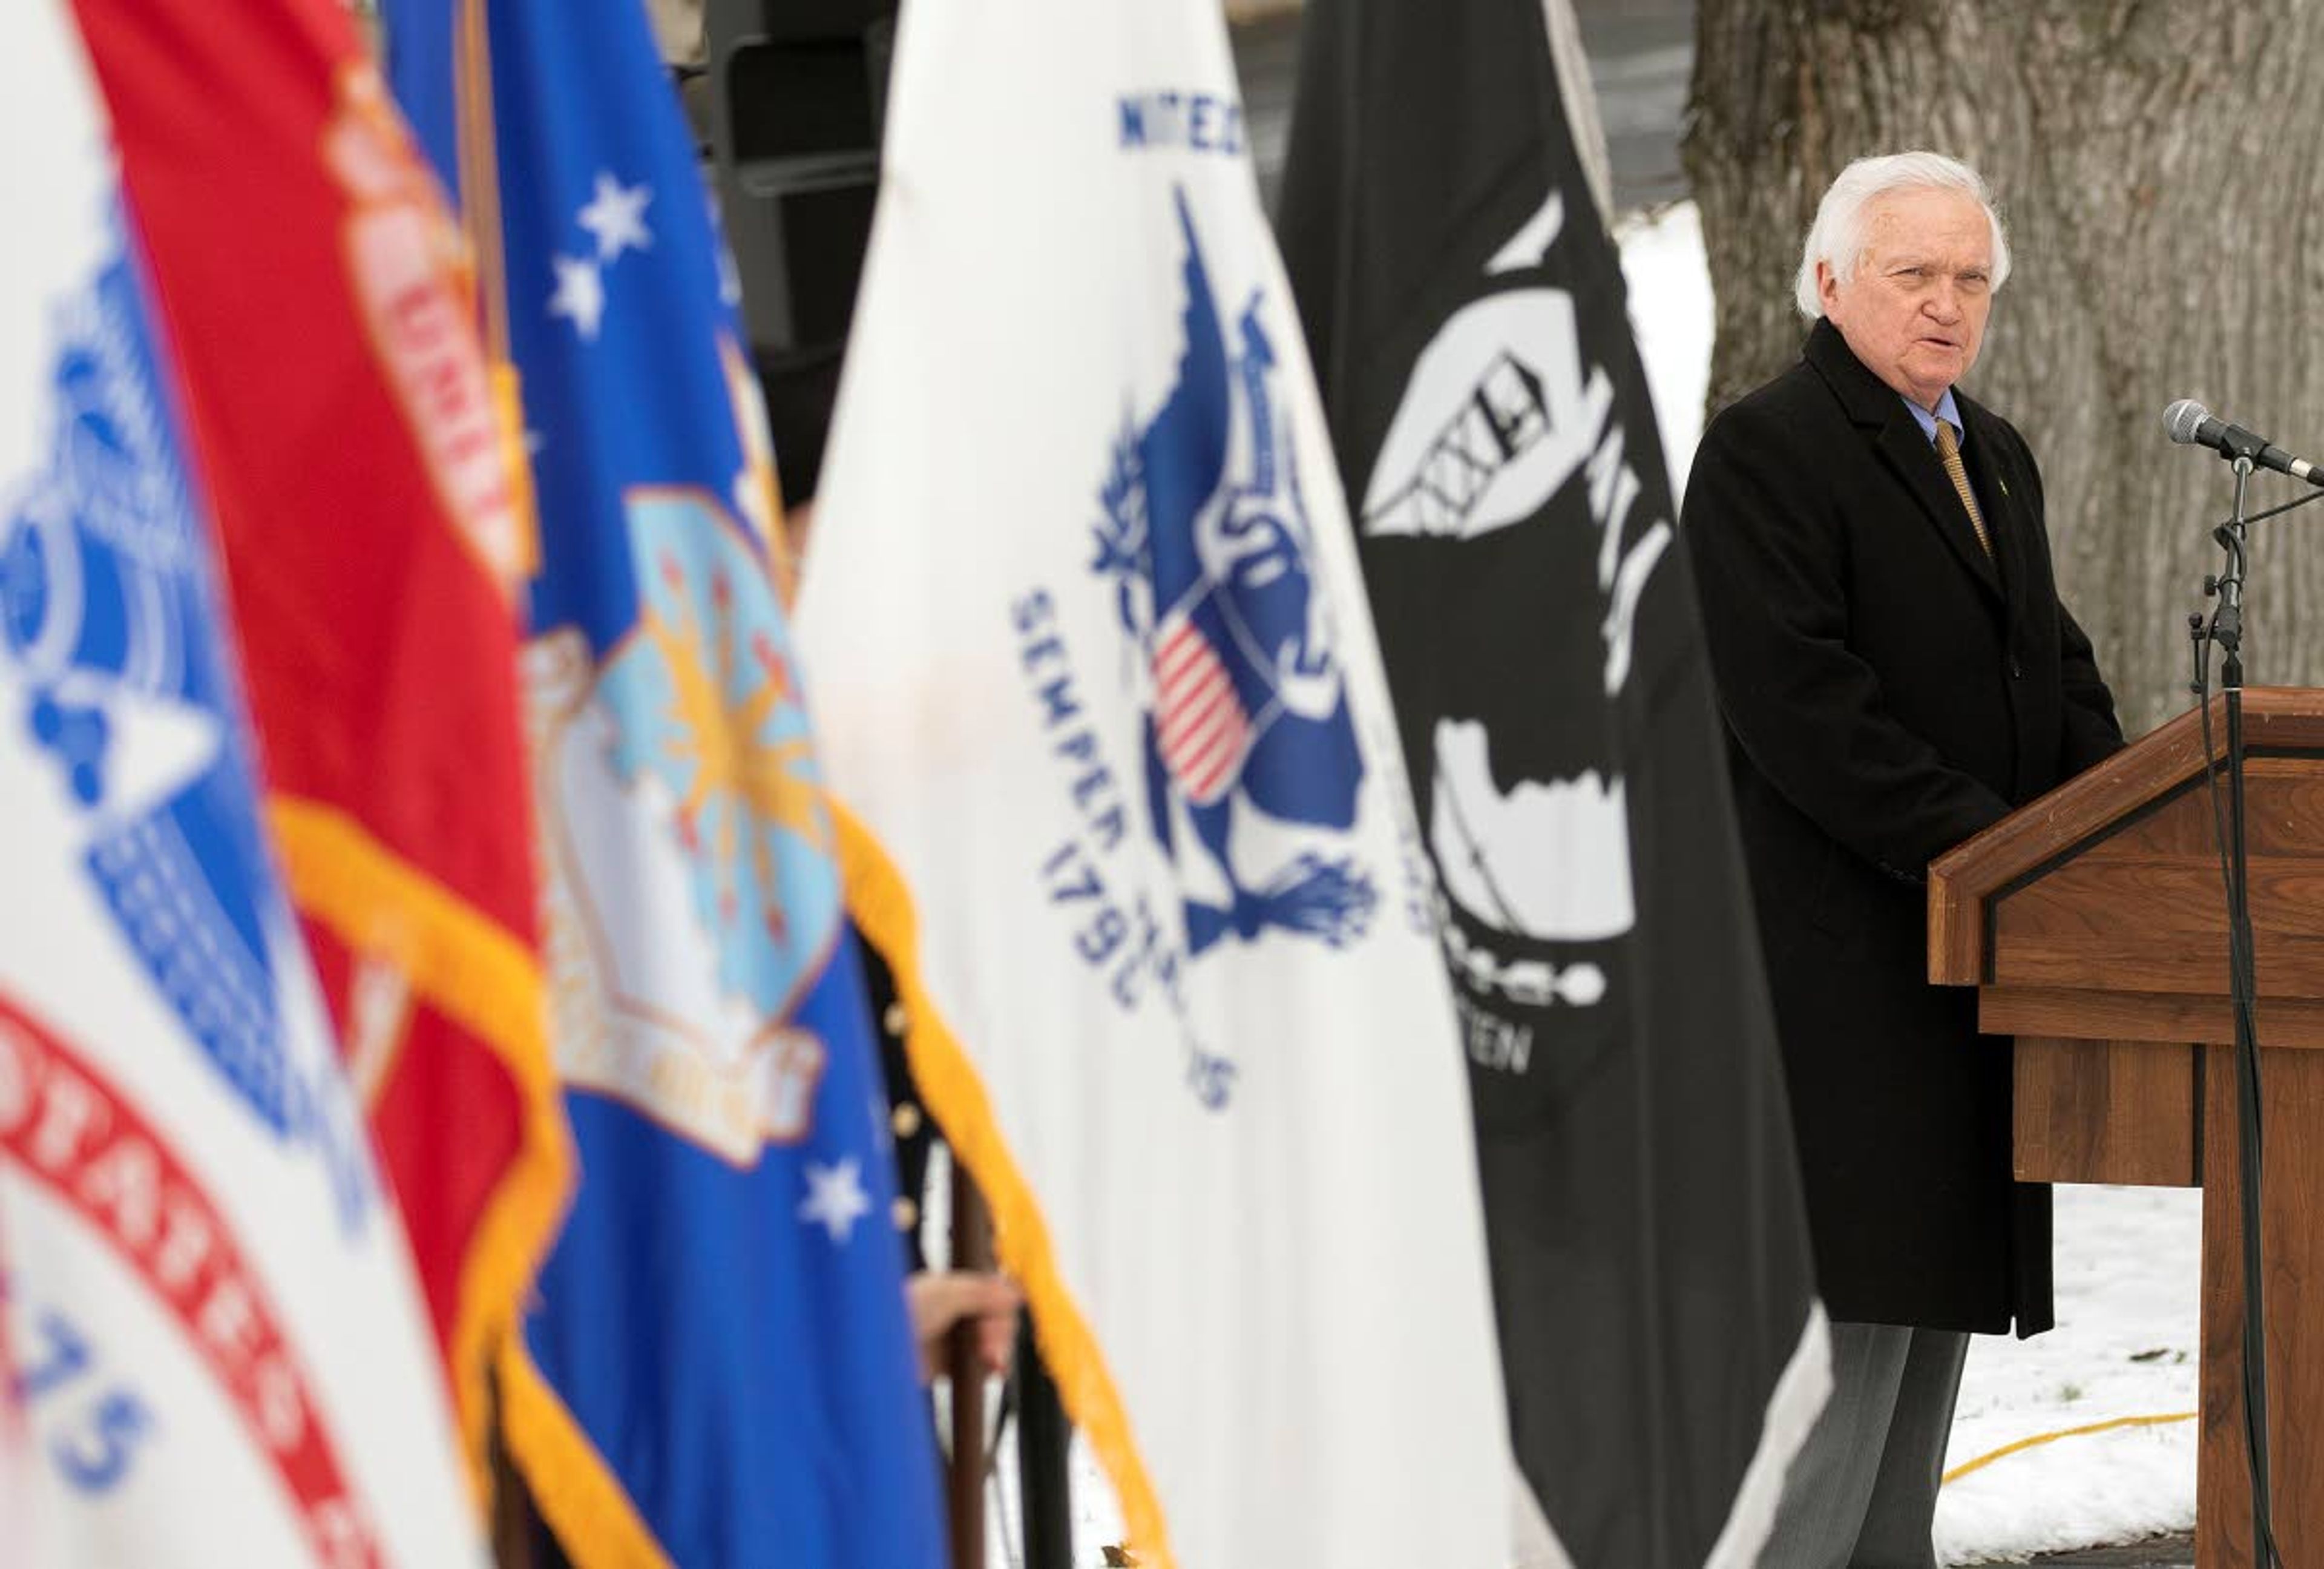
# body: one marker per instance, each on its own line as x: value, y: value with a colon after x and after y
x: 1094, y: 669
x: 15, y: 1459
x: 209, y: 1301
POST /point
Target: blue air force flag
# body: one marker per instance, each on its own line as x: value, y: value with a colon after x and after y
x: 719, y: 1369
x: 1125, y: 806
x: 205, y: 1298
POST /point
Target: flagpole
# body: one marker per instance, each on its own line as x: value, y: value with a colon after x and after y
x: 516, y: 1523
x: 480, y: 193
x: 972, y: 1249
x: 1043, y: 1436
x: 477, y: 151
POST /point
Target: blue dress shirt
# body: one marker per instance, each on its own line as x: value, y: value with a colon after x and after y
x: 1948, y: 410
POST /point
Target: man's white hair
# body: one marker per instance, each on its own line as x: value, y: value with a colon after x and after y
x: 1842, y: 219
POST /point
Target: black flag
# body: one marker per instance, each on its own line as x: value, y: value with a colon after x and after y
x: 1664, y: 1350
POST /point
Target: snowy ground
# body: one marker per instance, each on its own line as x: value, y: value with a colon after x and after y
x: 2126, y: 1342
x: 2124, y: 1346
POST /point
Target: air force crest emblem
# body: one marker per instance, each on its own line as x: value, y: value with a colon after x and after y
x: 1247, y: 736
x: 694, y: 902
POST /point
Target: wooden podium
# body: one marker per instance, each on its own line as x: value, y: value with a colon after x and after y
x: 2093, y: 923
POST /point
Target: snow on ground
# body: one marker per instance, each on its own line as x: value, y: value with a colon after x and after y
x: 2125, y: 1345
x: 2126, y: 1258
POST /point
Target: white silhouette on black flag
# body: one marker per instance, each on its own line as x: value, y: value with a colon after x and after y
x: 1663, y: 1350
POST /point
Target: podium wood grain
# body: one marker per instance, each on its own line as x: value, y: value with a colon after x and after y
x: 2093, y: 923
x: 2108, y: 1110
x: 2292, y: 1170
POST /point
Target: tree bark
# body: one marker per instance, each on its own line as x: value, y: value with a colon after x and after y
x: 2154, y: 166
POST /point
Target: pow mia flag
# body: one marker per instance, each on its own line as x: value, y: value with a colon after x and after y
x: 1663, y: 1350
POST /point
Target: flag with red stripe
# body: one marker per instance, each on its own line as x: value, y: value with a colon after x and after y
x: 209, y: 1321
x: 374, y: 524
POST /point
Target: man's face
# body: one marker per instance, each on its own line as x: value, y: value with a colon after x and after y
x: 1914, y: 313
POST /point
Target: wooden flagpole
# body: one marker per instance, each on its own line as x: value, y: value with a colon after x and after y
x: 972, y: 1249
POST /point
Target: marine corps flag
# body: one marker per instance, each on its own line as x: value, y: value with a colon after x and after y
x: 372, y: 535
x: 717, y: 1368
x: 1660, y: 1336
x: 209, y: 1325
x: 1100, y: 698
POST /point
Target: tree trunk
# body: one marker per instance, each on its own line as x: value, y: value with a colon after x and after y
x: 2154, y: 166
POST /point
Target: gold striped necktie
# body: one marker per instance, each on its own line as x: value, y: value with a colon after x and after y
x: 1948, y: 449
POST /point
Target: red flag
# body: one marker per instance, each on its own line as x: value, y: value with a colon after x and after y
x: 374, y: 526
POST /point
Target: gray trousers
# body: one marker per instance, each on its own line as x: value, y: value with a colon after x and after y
x: 1862, y: 1492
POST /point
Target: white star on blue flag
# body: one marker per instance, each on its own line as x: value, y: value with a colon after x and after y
x: 835, y: 1199
x: 580, y: 296
x: 616, y: 216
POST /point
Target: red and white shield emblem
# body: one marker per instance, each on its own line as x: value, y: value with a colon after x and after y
x: 1204, y: 731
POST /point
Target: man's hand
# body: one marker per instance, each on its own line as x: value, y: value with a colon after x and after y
x: 939, y: 1301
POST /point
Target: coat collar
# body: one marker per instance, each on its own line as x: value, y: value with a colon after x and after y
x: 1872, y: 405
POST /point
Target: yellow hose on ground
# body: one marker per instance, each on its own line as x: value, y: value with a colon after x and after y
x: 1982, y: 1460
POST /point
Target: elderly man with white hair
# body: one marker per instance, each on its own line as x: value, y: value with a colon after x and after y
x: 1895, y: 672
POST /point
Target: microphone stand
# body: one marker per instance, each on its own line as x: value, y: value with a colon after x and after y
x: 2226, y: 632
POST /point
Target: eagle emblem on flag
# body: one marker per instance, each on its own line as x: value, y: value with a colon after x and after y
x: 1248, y: 740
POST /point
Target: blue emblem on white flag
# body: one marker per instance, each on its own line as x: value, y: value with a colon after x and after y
x: 106, y: 616
x: 1101, y: 689
x: 1208, y: 543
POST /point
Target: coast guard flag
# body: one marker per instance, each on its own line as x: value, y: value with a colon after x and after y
x: 1097, y: 676
x: 373, y: 528
x: 1660, y: 1336
x: 718, y: 1367
x: 206, y: 1302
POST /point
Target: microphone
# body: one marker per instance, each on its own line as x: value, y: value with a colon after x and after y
x: 2190, y: 424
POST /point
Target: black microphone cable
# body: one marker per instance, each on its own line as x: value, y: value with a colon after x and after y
x: 2227, y: 834
x: 2227, y: 822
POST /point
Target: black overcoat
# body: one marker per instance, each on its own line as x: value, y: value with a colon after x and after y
x: 1887, y: 692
